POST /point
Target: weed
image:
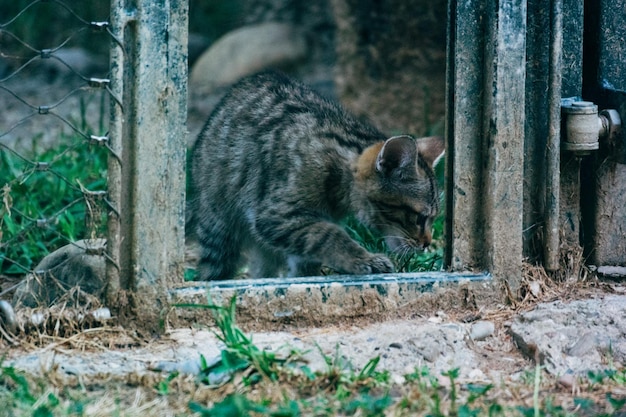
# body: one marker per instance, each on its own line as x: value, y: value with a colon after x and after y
x: 16, y: 394
x: 235, y: 405
x: 239, y: 353
x: 163, y: 387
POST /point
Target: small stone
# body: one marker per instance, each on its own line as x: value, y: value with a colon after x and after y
x: 101, y: 314
x: 398, y: 379
x: 396, y: 345
x: 476, y: 375
x: 567, y: 380
x: 442, y: 314
x: 482, y: 330
x: 535, y: 288
x: 430, y: 353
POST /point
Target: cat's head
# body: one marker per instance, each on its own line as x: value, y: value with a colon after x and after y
x: 399, y: 190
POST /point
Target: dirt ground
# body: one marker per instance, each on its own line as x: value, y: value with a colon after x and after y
x: 479, y: 343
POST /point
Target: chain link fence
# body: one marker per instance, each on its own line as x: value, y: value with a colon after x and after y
x: 54, y: 145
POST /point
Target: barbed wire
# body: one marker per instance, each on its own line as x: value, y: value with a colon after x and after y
x: 37, y: 222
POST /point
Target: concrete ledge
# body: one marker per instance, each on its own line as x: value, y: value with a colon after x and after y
x: 319, y: 300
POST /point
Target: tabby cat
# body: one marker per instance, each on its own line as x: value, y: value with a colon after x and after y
x: 277, y: 166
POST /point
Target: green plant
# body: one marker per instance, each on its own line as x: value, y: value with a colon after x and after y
x: 234, y: 405
x: 429, y: 260
x: 47, y: 200
x: 163, y: 387
x: 16, y: 394
x: 239, y: 351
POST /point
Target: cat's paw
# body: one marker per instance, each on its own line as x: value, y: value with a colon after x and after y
x: 374, y: 264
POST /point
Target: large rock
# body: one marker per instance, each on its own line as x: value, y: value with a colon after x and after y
x: 80, y: 263
x: 574, y: 337
x: 245, y: 51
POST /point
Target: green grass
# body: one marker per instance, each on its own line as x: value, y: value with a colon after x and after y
x: 429, y: 260
x: 43, y: 206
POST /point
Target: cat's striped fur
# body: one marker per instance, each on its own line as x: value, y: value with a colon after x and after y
x: 277, y: 166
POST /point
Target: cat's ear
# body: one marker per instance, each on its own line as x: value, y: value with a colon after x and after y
x: 431, y: 149
x: 397, y: 153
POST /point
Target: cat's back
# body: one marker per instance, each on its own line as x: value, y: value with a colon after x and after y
x: 269, y: 105
x: 272, y: 133
x: 271, y: 121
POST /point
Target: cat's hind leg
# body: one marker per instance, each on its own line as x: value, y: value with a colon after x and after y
x: 220, y: 254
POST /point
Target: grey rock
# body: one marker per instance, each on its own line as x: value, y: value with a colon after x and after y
x: 8, y: 319
x: 191, y: 367
x: 80, y: 263
x: 567, y: 380
x: 245, y: 51
x: 482, y: 330
x: 574, y: 337
x: 612, y: 271
x: 428, y: 346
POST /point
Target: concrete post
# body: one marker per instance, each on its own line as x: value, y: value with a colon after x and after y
x: 485, y: 133
x: 148, y: 135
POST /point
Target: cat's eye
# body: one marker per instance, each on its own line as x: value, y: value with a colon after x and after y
x: 416, y: 218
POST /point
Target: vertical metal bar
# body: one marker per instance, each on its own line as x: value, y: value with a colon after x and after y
x: 114, y: 169
x: 553, y: 148
x: 153, y: 137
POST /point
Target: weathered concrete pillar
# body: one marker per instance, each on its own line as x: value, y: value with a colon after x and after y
x: 485, y: 133
x: 148, y: 135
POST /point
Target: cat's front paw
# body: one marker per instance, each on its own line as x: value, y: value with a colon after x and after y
x: 375, y: 264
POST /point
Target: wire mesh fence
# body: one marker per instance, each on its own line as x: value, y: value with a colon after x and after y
x: 92, y: 143
x: 54, y: 145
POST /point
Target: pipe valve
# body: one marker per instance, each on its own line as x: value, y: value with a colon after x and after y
x: 584, y: 127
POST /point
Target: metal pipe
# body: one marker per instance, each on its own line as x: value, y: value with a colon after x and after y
x: 553, y: 148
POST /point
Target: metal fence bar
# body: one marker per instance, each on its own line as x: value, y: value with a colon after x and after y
x: 114, y: 165
x: 150, y: 138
